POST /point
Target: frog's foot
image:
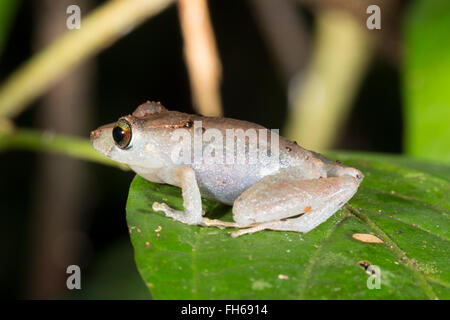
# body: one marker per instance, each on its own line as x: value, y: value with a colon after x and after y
x: 302, y: 224
x: 259, y: 227
x: 219, y: 224
x: 177, y: 215
x: 185, y: 218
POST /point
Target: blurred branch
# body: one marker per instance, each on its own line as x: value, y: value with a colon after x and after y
x: 285, y: 34
x: 27, y: 139
x: 321, y: 101
x: 99, y: 30
x: 388, y: 37
x: 202, y: 58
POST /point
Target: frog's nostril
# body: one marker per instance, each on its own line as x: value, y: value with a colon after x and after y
x: 359, y: 176
x: 355, y: 173
x: 94, y: 134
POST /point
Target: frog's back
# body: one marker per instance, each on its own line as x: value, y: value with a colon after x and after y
x: 225, y: 181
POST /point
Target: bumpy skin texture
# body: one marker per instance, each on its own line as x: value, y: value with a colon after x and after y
x: 264, y: 192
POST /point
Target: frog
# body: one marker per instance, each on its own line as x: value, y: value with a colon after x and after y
x: 296, y: 190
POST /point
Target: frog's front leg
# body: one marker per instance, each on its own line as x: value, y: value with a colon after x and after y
x: 183, y: 177
x: 276, y: 205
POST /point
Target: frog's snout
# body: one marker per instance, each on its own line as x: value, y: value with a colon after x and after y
x: 355, y: 173
x: 94, y: 134
x: 101, y: 132
x: 96, y: 140
x: 358, y: 176
x: 101, y: 139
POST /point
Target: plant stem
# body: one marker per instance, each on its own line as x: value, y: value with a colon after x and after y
x: 202, y: 58
x: 400, y: 254
x: 323, y: 95
x: 26, y: 139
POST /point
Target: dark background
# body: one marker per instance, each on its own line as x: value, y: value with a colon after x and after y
x: 148, y: 64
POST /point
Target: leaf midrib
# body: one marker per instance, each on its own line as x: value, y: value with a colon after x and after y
x: 389, y: 243
x: 311, y: 262
x: 411, y: 199
x: 398, y: 252
x: 415, y: 226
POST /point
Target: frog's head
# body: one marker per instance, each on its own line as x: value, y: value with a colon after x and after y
x: 128, y: 140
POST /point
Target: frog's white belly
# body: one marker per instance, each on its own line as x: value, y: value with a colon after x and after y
x: 228, y: 185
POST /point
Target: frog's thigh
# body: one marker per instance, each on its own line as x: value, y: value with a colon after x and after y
x: 269, y: 201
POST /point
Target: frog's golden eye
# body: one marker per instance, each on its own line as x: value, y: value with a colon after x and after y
x: 122, y: 133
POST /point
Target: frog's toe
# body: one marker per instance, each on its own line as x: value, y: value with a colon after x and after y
x: 257, y: 228
x: 177, y: 215
x: 168, y: 211
x: 161, y: 207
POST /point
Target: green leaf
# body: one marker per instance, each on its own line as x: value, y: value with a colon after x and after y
x: 403, y: 202
x: 426, y: 80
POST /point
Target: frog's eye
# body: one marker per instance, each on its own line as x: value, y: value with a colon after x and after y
x: 122, y: 133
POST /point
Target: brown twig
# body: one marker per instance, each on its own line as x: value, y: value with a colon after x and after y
x: 201, y: 55
x: 57, y: 210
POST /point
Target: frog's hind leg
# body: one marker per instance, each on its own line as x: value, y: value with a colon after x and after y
x: 275, y: 205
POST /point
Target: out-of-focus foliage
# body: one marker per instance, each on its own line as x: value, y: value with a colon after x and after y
x: 7, y: 11
x: 427, y: 80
